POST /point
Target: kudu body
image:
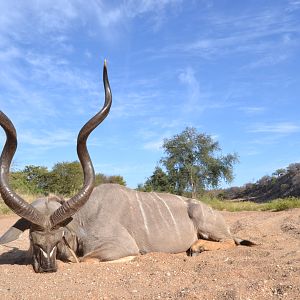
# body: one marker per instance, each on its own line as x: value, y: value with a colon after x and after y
x: 110, y: 221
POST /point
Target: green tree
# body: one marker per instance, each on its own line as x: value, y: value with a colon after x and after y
x: 38, y: 176
x: 101, y: 178
x: 66, y: 178
x: 279, y: 172
x: 192, y: 164
x: 30, y: 180
x: 158, y: 181
x: 18, y: 182
x: 141, y: 187
x: 116, y: 179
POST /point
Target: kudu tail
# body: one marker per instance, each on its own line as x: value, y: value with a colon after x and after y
x: 244, y: 242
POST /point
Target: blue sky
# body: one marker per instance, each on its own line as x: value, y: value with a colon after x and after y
x: 228, y: 68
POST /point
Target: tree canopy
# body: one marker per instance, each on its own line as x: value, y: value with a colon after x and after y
x: 30, y: 180
x: 192, y: 164
x: 65, y: 178
x: 159, y: 182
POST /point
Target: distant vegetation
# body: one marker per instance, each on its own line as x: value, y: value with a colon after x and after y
x: 64, y: 179
x: 283, y: 183
x: 277, y: 192
x: 192, y: 163
x: 273, y: 205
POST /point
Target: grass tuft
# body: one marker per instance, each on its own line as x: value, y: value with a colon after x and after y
x: 282, y: 204
x: 4, y: 210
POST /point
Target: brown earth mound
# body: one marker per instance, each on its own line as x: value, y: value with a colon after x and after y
x: 270, y: 270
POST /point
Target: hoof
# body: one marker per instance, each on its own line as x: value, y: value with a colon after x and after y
x: 194, y: 253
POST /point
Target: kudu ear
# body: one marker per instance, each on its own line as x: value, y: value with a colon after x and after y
x: 15, y: 231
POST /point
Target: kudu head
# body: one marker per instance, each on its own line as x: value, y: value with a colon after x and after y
x: 46, y: 218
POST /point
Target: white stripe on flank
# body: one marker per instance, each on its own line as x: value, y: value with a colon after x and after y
x: 142, y: 212
x: 180, y: 198
x: 172, y: 217
x: 202, y: 213
x: 159, y: 211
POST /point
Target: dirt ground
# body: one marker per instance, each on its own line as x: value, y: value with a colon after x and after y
x: 270, y: 270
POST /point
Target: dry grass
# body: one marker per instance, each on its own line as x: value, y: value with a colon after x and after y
x: 274, y: 205
x: 4, y: 210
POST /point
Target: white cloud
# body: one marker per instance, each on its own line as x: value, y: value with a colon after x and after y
x: 33, y: 84
x: 268, y: 60
x: 252, y: 110
x: 268, y: 37
x: 9, y: 53
x: 165, y: 122
x: 251, y: 152
x: 53, y: 19
x: 293, y: 5
x: 188, y: 78
x: 60, y: 16
x: 281, y: 128
x: 47, y: 139
x: 146, y: 134
x: 135, y: 104
x: 158, y: 9
x: 155, y: 145
x: 52, y: 69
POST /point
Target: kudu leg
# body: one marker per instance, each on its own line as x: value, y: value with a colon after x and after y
x: 204, y: 245
x: 111, y: 248
x: 111, y: 252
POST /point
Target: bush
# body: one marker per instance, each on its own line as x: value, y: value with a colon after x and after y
x: 65, y: 178
x: 282, y: 204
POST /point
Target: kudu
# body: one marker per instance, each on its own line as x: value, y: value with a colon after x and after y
x: 110, y: 221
